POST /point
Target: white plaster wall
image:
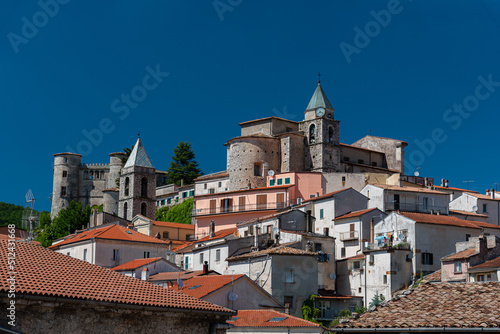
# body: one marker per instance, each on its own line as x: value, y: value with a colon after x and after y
x: 209, y: 254
x: 375, y: 196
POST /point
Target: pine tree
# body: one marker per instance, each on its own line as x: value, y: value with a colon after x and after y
x: 183, y: 165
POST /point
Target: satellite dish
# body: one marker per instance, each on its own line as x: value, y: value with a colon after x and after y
x: 416, y: 173
x: 270, y: 172
x: 333, y: 276
x: 474, y: 208
x: 401, y: 237
x: 232, y: 296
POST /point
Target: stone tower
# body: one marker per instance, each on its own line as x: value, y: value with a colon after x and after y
x: 322, y: 146
x: 66, y: 181
x: 137, y: 185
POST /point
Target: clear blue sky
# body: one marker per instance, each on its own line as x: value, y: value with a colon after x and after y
x: 231, y: 61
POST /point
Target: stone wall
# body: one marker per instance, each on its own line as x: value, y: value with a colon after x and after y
x: 47, y: 316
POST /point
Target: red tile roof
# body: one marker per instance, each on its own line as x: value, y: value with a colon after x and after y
x: 201, y: 286
x: 449, y: 305
x: 223, y: 173
x: 467, y: 213
x: 494, y: 263
x: 109, y: 232
x: 280, y: 250
x: 175, y: 225
x: 457, y: 189
x: 487, y: 197
x: 325, y: 196
x: 261, y: 318
x: 460, y: 255
x: 446, y: 220
x: 434, y: 277
x: 134, y: 264
x: 410, y: 189
x: 183, y: 275
x: 42, y: 272
x: 184, y: 247
x: 354, y: 214
x: 219, y: 234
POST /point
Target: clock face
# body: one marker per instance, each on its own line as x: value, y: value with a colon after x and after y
x: 320, y: 111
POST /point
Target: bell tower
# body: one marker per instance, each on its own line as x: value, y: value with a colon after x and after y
x: 137, y: 185
x: 321, y: 130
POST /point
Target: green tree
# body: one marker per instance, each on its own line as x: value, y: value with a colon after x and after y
x: 183, y: 165
x: 376, y: 300
x: 309, y: 312
x: 127, y: 151
x: 180, y: 213
x: 69, y: 219
x: 10, y: 214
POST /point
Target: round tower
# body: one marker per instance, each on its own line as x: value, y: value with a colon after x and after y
x: 66, y: 181
x: 249, y: 159
x: 115, y: 166
x: 110, y: 200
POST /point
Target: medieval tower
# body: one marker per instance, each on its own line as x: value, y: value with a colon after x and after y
x: 137, y: 194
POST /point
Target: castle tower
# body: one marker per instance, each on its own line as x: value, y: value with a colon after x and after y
x: 322, y: 147
x: 66, y: 181
x: 111, y: 193
x: 137, y: 185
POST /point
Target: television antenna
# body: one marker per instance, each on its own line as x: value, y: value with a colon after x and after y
x: 467, y: 183
x: 30, y: 218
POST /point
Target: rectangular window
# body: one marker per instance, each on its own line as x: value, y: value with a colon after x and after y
x: 280, y: 182
x: 184, y: 194
x: 63, y: 191
x: 425, y: 203
x: 342, y: 252
x: 280, y: 201
x: 205, y: 186
x: 356, y: 265
x: 169, y: 201
x: 485, y: 208
x: 227, y: 205
x: 321, y: 216
x: 213, y: 205
x: 217, y: 255
x: 116, y: 254
x: 317, y: 247
x: 479, y: 278
x: 186, y: 263
x: 458, y: 267
x: 326, y: 231
x: 257, y: 169
x: 488, y: 277
x: 269, y: 229
x: 241, y: 203
x: 220, y: 184
x: 261, y: 202
x: 288, y: 275
x: 288, y: 301
x: 146, y: 255
x: 287, y: 180
x: 85, y: 255
x: 162, y: 202
x: 385, y: 279
x: 165, y: 235
x: 250, y: 230
x: 191, y: 193
x: 201, y: 258
x: 211, y: 191
x: 271, y: 182
x: 65, y: 173
x: 427, y: 258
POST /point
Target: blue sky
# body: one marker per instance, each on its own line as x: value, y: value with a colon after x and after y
x: 395, y: 68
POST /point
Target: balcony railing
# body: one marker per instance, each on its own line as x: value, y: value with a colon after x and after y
x: 415, y: 207
x: 386, y: 246
x: 241, y: 208
x: 351, y: 235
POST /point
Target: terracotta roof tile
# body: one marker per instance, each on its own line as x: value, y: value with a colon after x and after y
x: 40, y: 271
x: 264, y: 318
x: 280, y: 250
x: 200, y: 286
x: 434, y: 277
x: 219, y: 234
x: 325, y: 195
x: 134, y: 264
x: 481, y: 196
x: 110, y: 232
x: 467, y: 213
x: 183, y: 275
x: 494, y: 263
x: 176, y: 225
x: 223, y: 173
x: 446, y: 220
x: 410, y: 189
x: 457, y: 189
x: 355, y: 214
x: 449, y: 305
x: 460, y: 255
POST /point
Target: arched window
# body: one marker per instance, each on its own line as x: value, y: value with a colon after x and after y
x: 330, y: 135
x: 144, y: 187
x: 312, y: 134
x: 125, y: 211
x: 127, y: 186
x: 144, y: 209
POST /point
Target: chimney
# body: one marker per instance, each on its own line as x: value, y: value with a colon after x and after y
x: 317, y: 194
x: 442, y: 183
x: 492, y: 193
x: 212, y: 229
x: 158, y: 236
x: 482, y: 246
x: 145, y: 274
x: 446, y: 182
x: 287, y: 308
x: 400, y: 182
x: 256, y: 237
x: 182, y: 182
x: 426, y: 182
x: 309, y: 247
x: 487, y: 191
x: 205, y: 267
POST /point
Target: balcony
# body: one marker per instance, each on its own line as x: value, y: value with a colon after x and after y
x: 351, y: 235
x: 386, y: 246
x: 415, y: 207
x: 241, y: 208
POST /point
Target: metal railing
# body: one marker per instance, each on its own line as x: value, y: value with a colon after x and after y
x: 415, y: 207
x: 387, y: 245
x: 240, y: 208
x: 351, y: 235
